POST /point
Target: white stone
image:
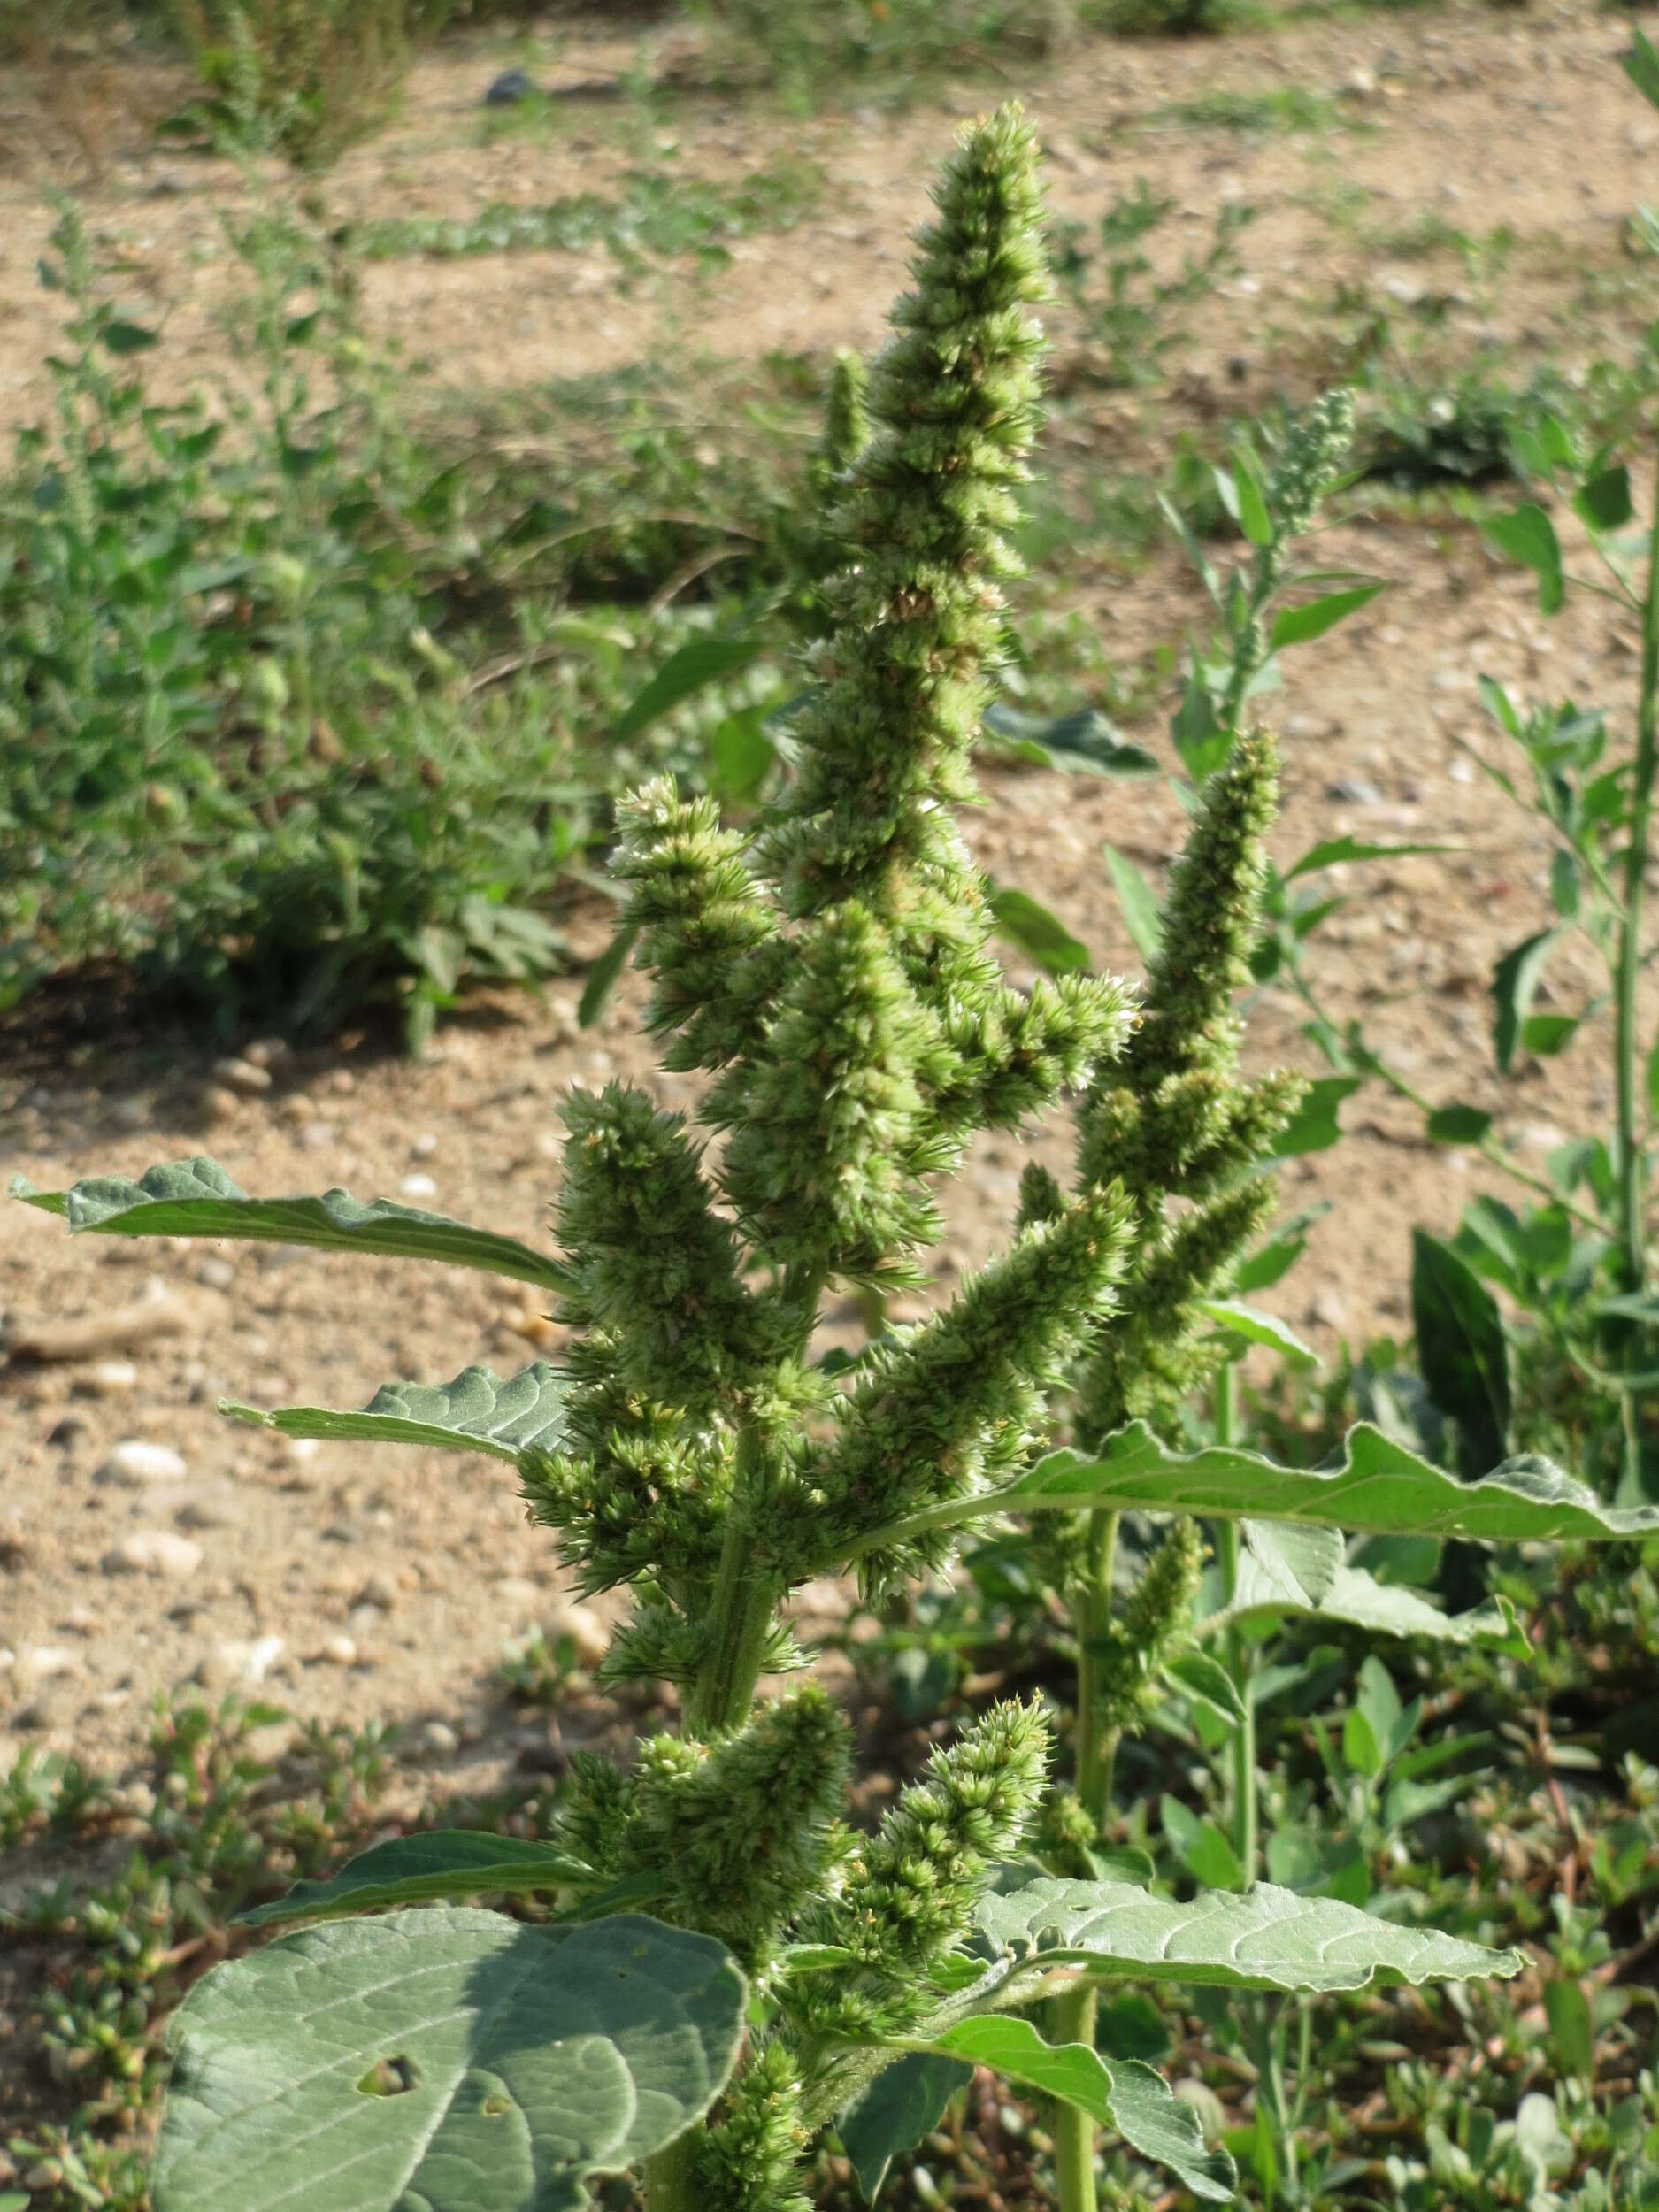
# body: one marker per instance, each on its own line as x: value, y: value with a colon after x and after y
x: 438, y: 1736
x: 587, y: 1632
x: 418, y: 1186
x: 135, y: 1462
x: 153, y: 1551
x: 108, y: 1378
x: 339, y: 1651
x: 245, y: 1076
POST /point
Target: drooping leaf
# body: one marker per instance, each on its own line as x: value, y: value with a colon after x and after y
x: 1256, y: 1327
x: 1143, y: 916
x: 1462, y: 1349
x: 1381, y: 1488
x: 477, y: 1412
x: 197, y: 1199
x: 1295, y: 626
x: 1083, y: 742
x: 1207, y: 1855
x: 1332, y: 852
x: 1357, y: 1600
x: 1603, y: 503
x: 1529, y: 536
x: 1026, y: 923
x: 1266, y: 1939
x: 417, y: 1869
x: 893, y: 2114
x: 1314, y: 1127
x: 1515, y: 982
x: 703, y: 661
x: 451, y: 2061
x: 1298, y: 1559
x: 1131, y: 2099
x: 602, y: 976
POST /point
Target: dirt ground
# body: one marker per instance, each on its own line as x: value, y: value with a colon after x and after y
x: 344, y: 1581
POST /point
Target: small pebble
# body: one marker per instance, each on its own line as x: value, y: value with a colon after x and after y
x: 69, y: 1432
x: 133, y: 1463
x: 107, y: 1378
x: 1353, y: 791
x: 153, y: 1551
x: 130, y: 1113
x: 268, y: 1052
x: 377, y: 1590
x: 339, y: 1651
x: 508, y: 89
x: 418, y: 1186
x: 318, y: 1136
x: 218, y: 1104
x: 1328, y: 1310
x: 216, y: 1274
x: 424, y: 1147
x: 244, y: 1076
x: 587, y: 1631
x: 438, y: 1736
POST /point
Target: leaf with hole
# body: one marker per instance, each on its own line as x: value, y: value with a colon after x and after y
x: 477, y: 1412
x: 452, y: 2060
x: 197, y: 1198
x: 1130, y: 2099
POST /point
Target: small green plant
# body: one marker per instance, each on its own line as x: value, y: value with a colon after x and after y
x: 729, y: 1968
x: 1130, y: 313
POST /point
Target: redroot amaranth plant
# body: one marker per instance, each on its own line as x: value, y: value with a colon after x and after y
x: 728, y: 1968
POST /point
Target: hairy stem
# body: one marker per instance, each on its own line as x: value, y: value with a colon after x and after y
x: 671, y: 2178
x: 1074, y: 2131
x: 1240, y: 1665
x: 741, y: 1607
x: 1096, y: 1741
x: 1632, y: 1163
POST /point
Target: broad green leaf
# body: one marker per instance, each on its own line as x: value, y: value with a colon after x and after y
x: 704, y: 661
x: 1547, y: 1034
x: 1267, y: 1939
x: 1141, y: 912
x: 602, y: 976
x: 477, y: 1412
x: 1462, y: 1349
x: 197, y: 1199
x: 891, y: 2116
x: 1202, y: 1676
x: 1641, y: 66
x: 1300, y: 1560
x: 1572, y: 2028
x: 1131, y: 2099
x: 1332, y: 852
x: 1241, y: 1320
x: 1314, y: 1128
x: 1515, y: 982
x: 1024, y: 922
x: 1295, y: 626
x: 1457, y: 1125
x: 1604, y: 502
x: 445, y: 2061
x: 123, y: 338
x: 1272, y: 1262
x: 1357, y: 1600
x: 740, y: 754
x: 1528, y: 536
x: 1380, y: 1488
x: 417, y: 1869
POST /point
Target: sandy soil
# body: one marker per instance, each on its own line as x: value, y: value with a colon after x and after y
x: 343, y: 1581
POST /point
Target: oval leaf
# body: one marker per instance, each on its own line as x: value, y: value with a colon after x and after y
x: 1301, y: 1561
x: 1528, y: 536
x: 1295, y: 626
x: 449, y: 2060
x: 1024, y: 922
x: 904, y: 2103
x: 197, y: 1198
x: 1241, y: 1320
x: 477, y: 1412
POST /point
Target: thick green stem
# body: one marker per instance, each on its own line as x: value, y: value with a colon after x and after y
x: 671, y: 2178
x: 1074, y: 2131
x: 1632, y: 1161
x: 1096, y: 1742
x: 1239, y: 1664
x: 740, y: 1607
